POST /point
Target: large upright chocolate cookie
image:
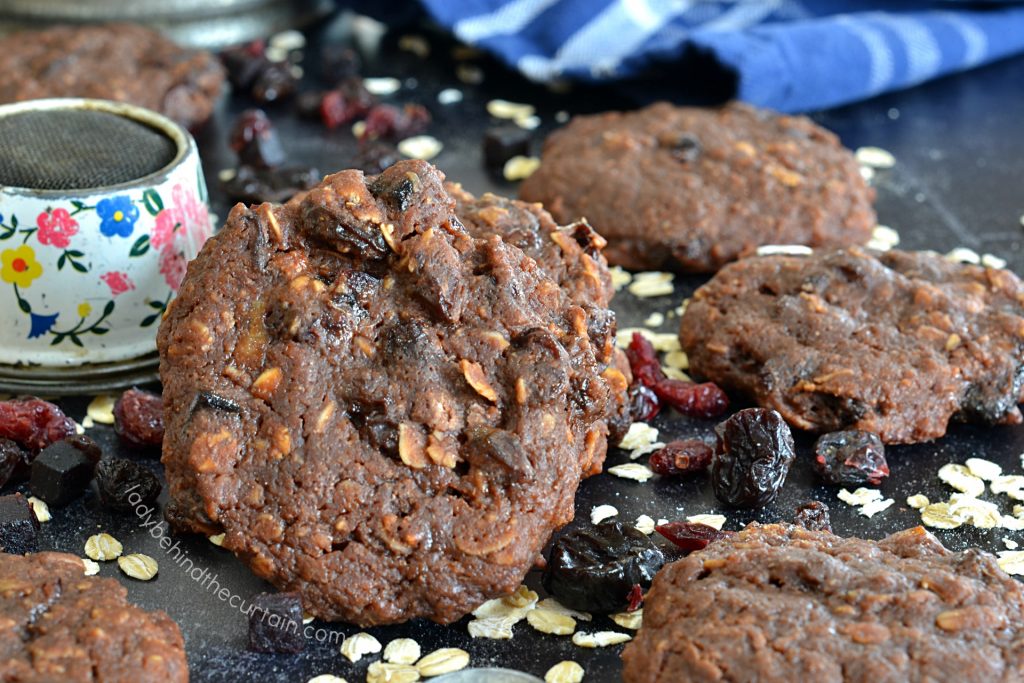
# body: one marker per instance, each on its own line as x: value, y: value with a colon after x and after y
x: 896, y: 343
x: 778, y: 604
x: 382, y: 407
x: 122, y: 62
x: 56, y: 624
x: 691, y: 189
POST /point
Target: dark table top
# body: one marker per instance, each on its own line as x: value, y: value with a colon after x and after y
x: 957, y: 182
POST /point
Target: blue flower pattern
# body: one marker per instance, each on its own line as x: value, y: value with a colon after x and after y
x: 41, y: 324
x: 117, y: 216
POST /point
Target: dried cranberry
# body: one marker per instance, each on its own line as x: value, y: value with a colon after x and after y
x: 643, y: 361
x: 339, y: 63
x: 244, y: 63
x: 255, y: 141
x: 594, y: 569
x: 752, y: 457
x: 274, y: 82
x: 123, y: 484
x: 14, y: 462
x: 635, y: 598
x: 348, y: 102
x: 375, y: 156
x: 690, y: 536
x: 705, y: 400
x: 278, y: 185
x: 643, y: 403
x: 851, y: 458
x: 502, y: 143
x: 813, y: 516
x: 386, y: 121
x: 139, y: 418
x: 33, y: 423
x: 681, y: 457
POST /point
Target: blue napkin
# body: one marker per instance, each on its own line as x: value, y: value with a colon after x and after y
x: 791, y: 55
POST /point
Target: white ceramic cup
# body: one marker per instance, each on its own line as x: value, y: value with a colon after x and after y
x: 86, y: 274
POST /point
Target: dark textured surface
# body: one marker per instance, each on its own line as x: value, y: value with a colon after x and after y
x: 956, y: 183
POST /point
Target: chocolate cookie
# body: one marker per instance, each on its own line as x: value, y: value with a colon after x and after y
x: 896, y: 343
x: 691, y: 189
x: 122, y: 62
x: 383, y: 406
x: 780, y: 603
x: 56, y: 624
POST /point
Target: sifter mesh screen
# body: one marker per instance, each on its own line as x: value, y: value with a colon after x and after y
x: 75, y: 149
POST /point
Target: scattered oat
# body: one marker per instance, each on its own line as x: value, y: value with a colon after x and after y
x: 382, y: 672
x: 552, y: 605
x: 1011, y: 561
x: 867, y: 173
x: 620, y: 277
x: 358, y: 129
x: 103, y: 547
x: 217, y: 539
x: 80, y: 427
x: 307, y: 618
x: 417, y: 45
x: 630, y: 620
x: 961, y: 479
x: 599, y: 638
x: 517, y: 604
x: 382, y: 86
x: 359, y: 644
x: 644, y: 525
x: 677, y: 359
x: 883, y: 238
x: 984, y: 469
x: 665, y: 342
x: 564, y: 672
x: 1007, y: 483
x: 449, y: 96
x: 992, y: 261
x: 547, y: 621
x: 651, y: 283
x: 443, y: 661
x: 716, y: 521
x: 979, y: 513
x: 1010, y: 544
x: 963, y: 255
x: 288, y: 40
x: 1011, y: 523
x: 639, y: 435
x: 519, y: 167
x: 226, y: 174
x: 874, y: 507
x: 101, y: 409
x: 138, y: 566
x: 938, y: 516
x: 495, y: 628
x: 503, y: 109
x: 675, y: 373
x: 632, y: 470
x: 918, y: 501
x: 562, y: 116
x: 402, y: 651
x: 40, y: 509
x: 655, y: 319
x: 327, y: 678
x: 861, y: 496
x: 424, y: 147
x: 91, y: 568
x: 528, y: 122
x: 470, y: 74
x: 785, y: 249
x: 275, y: 54
x: 875, y: 157
x: 602, y: 512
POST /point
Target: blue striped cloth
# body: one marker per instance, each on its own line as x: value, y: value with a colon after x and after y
x: 791, y: 55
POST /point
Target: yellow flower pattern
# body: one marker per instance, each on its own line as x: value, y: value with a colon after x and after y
x: 84, y: 309
x: 19, y: 266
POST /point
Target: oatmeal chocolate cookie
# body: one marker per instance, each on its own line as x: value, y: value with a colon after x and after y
x: 384, y: 406
x: 691, y: 189
x: 780, y: 603
x: 122, y: 62
x: 895, y: 343
x: 56, y: 624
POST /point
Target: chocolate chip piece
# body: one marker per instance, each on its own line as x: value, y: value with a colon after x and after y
x: 60, y: 473
x: 19, y: 528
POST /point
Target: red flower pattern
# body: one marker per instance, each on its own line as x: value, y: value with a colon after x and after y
x: 118, y: 281
x: 56, y: 228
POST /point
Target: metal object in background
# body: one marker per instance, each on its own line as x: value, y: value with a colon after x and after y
x: 488, y: 676
x: 196, y: 23
x: 84, y: 380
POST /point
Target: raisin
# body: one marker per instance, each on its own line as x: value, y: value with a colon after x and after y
x: 391, y: 123
x: 123, y: 484
x: 690, y: 536
x: 705, y: 400
x: 595, y: 569
x: 258, y: 185
x: 681, y: 457
x: 348, y: 102
x: 813, y: 516
x: 244, y: 63
x: 89, y: 448
x: 339, y: 63
x: 60, y: 473
x: 752, y: 457
x: 501, y: 144
x: 851, y: 458
x: 208, y: 399
x: 19, y: 528
x: 635, y: 598
x: 644, y: 405
x: 255, y: 141
x: 14, y: 462
x: 33, y: 423
x: 643, y: 361
x: 274, y: 82
x: 275, y: 623
x: 139, y: 418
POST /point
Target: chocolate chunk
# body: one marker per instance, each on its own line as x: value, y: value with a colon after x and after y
x: 275, y: 623
x: 60, y: 473
x: 19, y: 528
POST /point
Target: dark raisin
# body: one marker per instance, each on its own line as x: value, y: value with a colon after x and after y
x: 275, y: 623
x: 752, y: 457
x: 391, y: 123
x: 501, y: 144
x: 690, y: 536
x: 19, y: 528
x: 635, y: 598
x: 244, y: 63
x: 348, y: 102
x: 375, y: 156
x: 339, y: 63
x: 681, y: 457
x: 813, y: 516
x: 139, y: 418
x: 644, y: 404
x: 487, y: 446
x: 307, y: 103
x: 60, y: 473
x: 89, y: 448
x: 643, y: 361
x: 255, y: 141
x: 274, y: 82
x: 258, y: 185
x: 33, y: 423
x: 208, y: 399
x: 851, y: 458
x: 14, y: 462
x: 685, y: 147
x: 595, y: 569
x: 124, y: 484
x: 705, y: 400
x: 395, y: 190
